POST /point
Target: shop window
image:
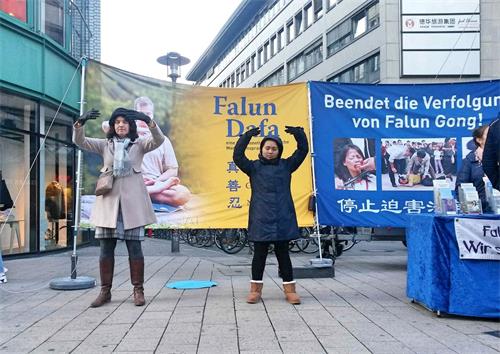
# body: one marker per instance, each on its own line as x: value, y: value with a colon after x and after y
x: 14, y: 8
x: 17, y: 120
x: 53, y: 19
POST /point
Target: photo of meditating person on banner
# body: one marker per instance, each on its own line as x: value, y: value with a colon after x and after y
x: 159, y: 167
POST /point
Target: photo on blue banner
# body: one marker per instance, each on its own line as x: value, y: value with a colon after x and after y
x: 379, y: 148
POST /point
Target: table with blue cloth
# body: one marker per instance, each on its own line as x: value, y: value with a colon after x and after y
x: 439, y: 279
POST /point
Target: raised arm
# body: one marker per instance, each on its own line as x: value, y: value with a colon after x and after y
x: 300, y: 153
x: 155, y: 140
x: 239, y: 157
x: 79, y: 138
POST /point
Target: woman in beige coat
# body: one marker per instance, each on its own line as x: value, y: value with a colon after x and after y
x: 122, y: 212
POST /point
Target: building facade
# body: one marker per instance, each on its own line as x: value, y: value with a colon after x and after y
x: 274, y: 42
x: 41, y: 44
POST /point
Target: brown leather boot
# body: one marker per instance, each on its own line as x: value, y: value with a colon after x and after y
x: 106, y: 267
x: 137, y: 279
x: 291, y: 295
x: 255, y: 292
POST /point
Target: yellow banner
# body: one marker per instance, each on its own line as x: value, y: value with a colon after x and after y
x: 202, y: 124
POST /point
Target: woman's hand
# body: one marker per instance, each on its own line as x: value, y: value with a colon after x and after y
x: 92, y: 114
x: 293, y: 130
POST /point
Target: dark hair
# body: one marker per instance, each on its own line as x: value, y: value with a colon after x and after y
x: 478, y: 133
x: 421, y: 153
x: 132, y: 133
x: 340, y: 170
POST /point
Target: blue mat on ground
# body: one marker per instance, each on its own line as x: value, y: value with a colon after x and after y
x: 164, y: 207
x: 191, y: 284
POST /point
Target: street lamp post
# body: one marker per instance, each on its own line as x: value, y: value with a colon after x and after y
x: 173, y: 61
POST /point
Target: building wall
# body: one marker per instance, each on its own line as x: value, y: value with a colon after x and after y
x: 384, y: 39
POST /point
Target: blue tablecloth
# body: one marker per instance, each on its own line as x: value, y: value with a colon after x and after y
x: 439, y: 279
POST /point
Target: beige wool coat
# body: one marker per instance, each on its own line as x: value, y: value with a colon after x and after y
x: 129, y: 192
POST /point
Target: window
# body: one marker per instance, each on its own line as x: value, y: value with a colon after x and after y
x: 290, y: 32
x: 366, y: 71
x: 359, y: 24
x: 267, y: 52
x: 373, y: 16
x: 253, y: 64
x: 280, y: 40
x: 53, y: 19
x: 308, y: 15
x: 248, y: 68
x: 347, y: 31
x: 276, y: 78
x: 333, y: 3
x: 338, y: 37
x: 318, y: 9
x: 304, y: 61
x: 14, y: 8
x: 274, y: 46
x: 298, y: 23
x: 260, y: 54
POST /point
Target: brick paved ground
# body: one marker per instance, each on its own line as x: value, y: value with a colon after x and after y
x: 364, y: 309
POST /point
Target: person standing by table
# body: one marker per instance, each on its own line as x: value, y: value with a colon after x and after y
x: 491, y: 154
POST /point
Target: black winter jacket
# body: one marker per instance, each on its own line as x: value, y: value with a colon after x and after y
x: 491, y: 154
x: 472, y: 172
x: 272, y: 213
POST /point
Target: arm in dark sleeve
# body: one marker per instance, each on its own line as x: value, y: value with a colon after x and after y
x: 300, y: 154
x: 239, y: 157
x: 490, y: 154
x: 463, y: 176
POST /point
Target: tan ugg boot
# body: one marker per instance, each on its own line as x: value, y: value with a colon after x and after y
x: 137, y: 279
x: 106, y: 268
x: 255, y: 291
x: 291, y: 295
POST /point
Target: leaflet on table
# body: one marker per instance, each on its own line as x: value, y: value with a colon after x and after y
x: 438, y: 184
x: 448, y: 205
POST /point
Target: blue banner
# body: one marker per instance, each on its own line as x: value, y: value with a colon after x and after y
x: 378, y: 148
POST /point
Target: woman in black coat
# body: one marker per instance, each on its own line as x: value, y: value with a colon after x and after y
x: 272, y: 217
x: 471, y: 170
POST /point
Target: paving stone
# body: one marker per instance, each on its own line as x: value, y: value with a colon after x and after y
x: 177, y: 349
x: 57, y: 347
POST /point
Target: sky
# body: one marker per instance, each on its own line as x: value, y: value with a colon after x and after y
x: 135, y: 33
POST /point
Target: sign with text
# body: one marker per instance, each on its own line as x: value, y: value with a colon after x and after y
x: 378, y: 148
x: 202, y: 125
x: 478, y: 238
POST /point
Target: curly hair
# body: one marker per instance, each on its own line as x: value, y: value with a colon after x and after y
x: 132, y: 133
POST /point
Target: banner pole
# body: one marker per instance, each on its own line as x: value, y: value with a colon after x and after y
x: 73, y: 282
x: 316, y: 217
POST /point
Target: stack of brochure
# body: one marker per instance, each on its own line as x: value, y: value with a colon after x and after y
x: 448, y: 204
x: 469, y: 199
x: 439, y: 184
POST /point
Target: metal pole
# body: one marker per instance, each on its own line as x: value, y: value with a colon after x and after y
x: 73, y: 282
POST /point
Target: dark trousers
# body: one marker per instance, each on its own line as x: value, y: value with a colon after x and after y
x: 282, y: 255
x: 400, y: 165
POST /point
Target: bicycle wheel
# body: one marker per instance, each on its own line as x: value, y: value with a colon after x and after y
x: 232, y: 241
x: 349, y: 244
